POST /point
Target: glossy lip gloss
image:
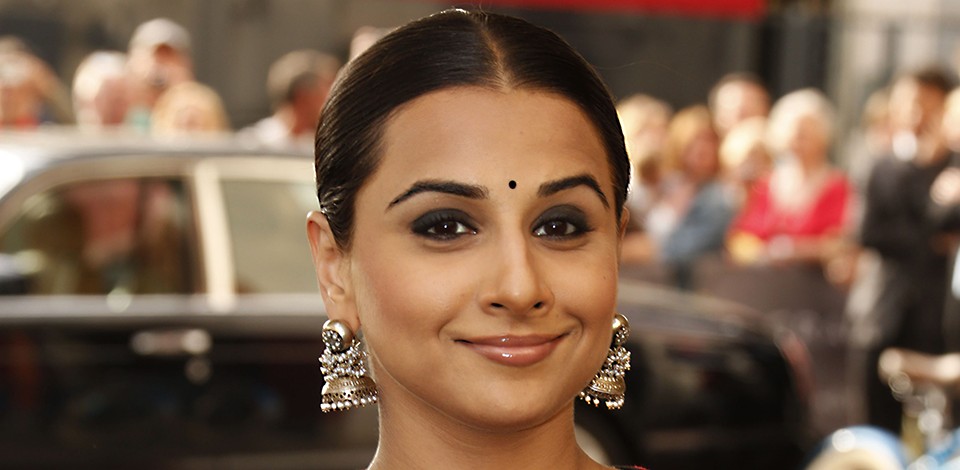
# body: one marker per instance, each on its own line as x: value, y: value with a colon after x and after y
x: 516, y: 351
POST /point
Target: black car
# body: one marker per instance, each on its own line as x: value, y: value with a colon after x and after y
x: 161, y: 311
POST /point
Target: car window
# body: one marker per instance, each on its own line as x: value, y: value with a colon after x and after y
x: 267, y: 221
x: 123, y: 235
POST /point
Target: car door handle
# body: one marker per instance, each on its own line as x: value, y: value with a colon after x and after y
x: 171, y: 342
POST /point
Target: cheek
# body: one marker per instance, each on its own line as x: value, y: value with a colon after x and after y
x: 400, y: 295
x: 586, y: 285
x: 590, y: 295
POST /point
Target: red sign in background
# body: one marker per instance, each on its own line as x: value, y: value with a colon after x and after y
x: 747, y: 9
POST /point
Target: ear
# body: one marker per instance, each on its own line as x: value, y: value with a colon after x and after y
x: 332, y: 266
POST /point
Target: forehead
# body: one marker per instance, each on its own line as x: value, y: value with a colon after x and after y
x: 740, y: 90
x: 952, y: 102
x: 912, y: 89
x: 474, y: 132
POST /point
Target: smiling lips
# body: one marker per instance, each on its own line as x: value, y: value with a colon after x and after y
x: 516, y: 351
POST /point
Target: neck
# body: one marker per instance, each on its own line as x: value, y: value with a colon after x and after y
x: 810, y: 167
x: 933, y: 153
x: 416, y: 435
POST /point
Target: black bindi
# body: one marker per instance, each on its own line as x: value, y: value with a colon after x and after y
x: 512, y: 184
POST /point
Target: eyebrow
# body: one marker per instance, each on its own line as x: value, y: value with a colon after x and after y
x: 553, y: 187
x: 441, y: 186
x: 479, y: 192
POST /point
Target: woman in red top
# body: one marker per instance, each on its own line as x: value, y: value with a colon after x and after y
x: 801, y: 210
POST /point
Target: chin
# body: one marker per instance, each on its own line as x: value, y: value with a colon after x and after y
x: 513, y: 420
x: 513, y: 411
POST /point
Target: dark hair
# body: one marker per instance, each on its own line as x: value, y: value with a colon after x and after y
x: 448, y: 49
x: 933, y: 76
x: 296, y: 71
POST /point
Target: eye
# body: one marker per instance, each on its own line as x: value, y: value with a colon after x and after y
x: 556, y: 228
x: 448, y: 229
x: 561, y: 222
x: 443, y: 225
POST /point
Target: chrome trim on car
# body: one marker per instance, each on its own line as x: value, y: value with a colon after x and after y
x: 214, y: 236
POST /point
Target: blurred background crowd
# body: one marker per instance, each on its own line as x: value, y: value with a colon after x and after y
x: 151, y: 88
x: 754, y: 164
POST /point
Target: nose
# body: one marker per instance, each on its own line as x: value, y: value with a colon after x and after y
x: 515, y: 284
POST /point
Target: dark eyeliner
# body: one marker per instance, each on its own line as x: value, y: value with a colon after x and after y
x: 423, y: 224
x: 567, y: 214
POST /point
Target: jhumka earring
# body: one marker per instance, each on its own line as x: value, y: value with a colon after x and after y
x: 608, y: 385
x: 344, y: 369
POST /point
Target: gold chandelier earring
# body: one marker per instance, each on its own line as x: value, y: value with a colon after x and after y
x: 608, y: 385
x: 344, y: 368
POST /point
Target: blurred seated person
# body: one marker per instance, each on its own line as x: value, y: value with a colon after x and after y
x: 158, y: 57
x: 737, y: 97
x: 100, y: 97
x: 744, y: 158
x: 122, y: 235
x: 644, y: 120
x: 30, y: 92
x: 801, y: 211
x: 189, y: 108
x: 691, y: 217
x: 298, y: 84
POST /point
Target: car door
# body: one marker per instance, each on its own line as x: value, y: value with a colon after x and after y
x: 107, y: 247
x: 266, y: 317
x: 171, y: 316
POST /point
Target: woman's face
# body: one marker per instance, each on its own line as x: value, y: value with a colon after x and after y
x: 700, y: 160
x: 483, y: 264
x: 807, y: 139
x: 915, y: 107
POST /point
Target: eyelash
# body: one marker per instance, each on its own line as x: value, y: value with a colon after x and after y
x: 426, y: 225
x: 566, y: 215
x: 432, y: 220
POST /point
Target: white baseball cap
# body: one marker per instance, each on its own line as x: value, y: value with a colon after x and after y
x: 161, y: 32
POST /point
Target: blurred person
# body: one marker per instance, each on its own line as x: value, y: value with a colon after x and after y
x: 691, y: 217
x: 121, y: 238
x: 20, y: 101
x: 951, y: 125
x: 801, y: 211
x: 644, y: 120
x: 159, y: 56
x: 298, y: 84
x: 868, y: 143
x: 912, y: 244
x: 100, y: 96
x: 916, y: 106
x: 189, y: 108
x: 364, y: 37
x: 872, y: 139
x: 945, y: 208
x: 30, y: 92
x: 736, y: 97
x: 744, y: 158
